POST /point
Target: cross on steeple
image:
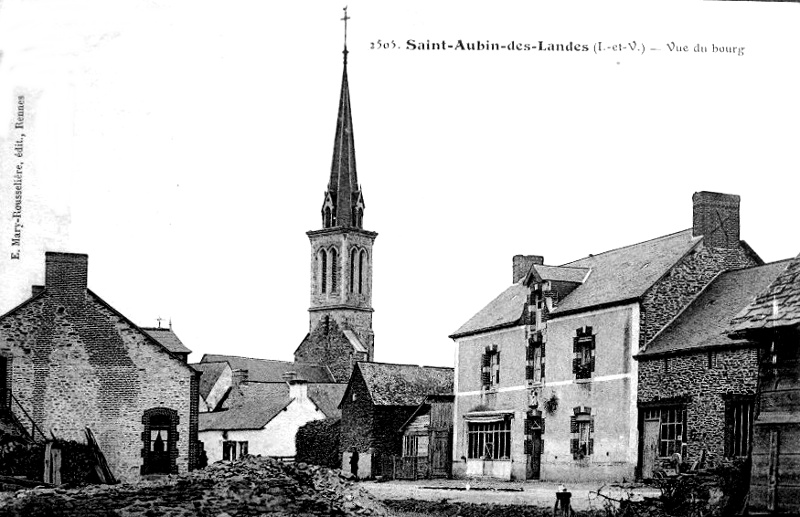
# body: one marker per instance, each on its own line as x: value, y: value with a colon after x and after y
x: 345, y: 33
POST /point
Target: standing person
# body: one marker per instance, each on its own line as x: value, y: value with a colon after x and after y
x: 354, y: 462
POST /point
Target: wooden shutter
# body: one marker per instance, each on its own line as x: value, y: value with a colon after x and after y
x: 541, y: 424
x: 573, y: 424
x: 542, y: 345
x: 485, y: 361
x: 591, y: 446
x: 529, y: 372
x: 485, y: 379
x: 528, y: 446
x: 573, y: 446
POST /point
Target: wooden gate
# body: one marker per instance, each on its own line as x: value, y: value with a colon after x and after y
x: 440, y: 454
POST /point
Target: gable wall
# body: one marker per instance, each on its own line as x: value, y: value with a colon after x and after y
x: 357, y: 417
x: 89, y: 367
x: 665, y: 299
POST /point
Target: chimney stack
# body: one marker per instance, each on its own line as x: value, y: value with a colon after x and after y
x: 298, y: 389
x: 65, y: 275
x: 523, y: 263
x: 716, y: 218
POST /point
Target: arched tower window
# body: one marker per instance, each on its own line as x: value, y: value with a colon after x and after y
x: 353, y: 259
x: 362, y: 261
x: 323, y: 271
x: 334, y: 270
x: 358, y: 215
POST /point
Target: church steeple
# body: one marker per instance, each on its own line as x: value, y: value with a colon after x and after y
x: 340, y: 315
x: 344, y: 204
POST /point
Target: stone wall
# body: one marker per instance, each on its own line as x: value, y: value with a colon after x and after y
x: 326, y: 344
x: 357, y: 417
x: 667, y: 297
x: 733, y: 372
x: 78, y: 363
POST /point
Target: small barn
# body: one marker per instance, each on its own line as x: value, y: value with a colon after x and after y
x: 427, y: 438
x: 379, y: 399
x: 773, y: 320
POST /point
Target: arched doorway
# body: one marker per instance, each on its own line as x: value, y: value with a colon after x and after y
x: 160, y: 439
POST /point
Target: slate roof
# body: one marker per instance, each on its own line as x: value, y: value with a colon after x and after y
x: 505, y: 310
x: 705, y: 322
x: 560, y: 273
x: 607, y: 278
x: 777, y: 306
x: 327, y: 398
x: 626, y: 273
x: 404, y: 384
x: 257, y: 405
x: 266, y: 370
x: 168, y: 340
x: 211, y: 373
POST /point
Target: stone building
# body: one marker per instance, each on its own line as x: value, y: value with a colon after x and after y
x: 70, y: 361
x: 697, y: 385
x: 378, y: 401
x: 773, y: 321
x: 562, y: 404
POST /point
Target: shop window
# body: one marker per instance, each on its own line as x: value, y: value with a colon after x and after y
x: 489, y: 440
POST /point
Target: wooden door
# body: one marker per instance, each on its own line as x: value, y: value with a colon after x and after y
x: 535, y: 459
x: 440, y: 453
x: 650, y: 447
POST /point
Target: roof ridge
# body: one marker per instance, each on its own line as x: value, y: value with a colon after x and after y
x: 260, y: 359
x: 405, y: 364
x: 592, y: 255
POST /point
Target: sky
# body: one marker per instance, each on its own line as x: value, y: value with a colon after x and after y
x: 186, y: 147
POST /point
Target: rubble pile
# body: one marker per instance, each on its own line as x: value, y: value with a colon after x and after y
x: 254, y: 486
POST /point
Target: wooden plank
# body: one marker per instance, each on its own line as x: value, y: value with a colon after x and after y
x: 772, y: 470
x: 788, y: 472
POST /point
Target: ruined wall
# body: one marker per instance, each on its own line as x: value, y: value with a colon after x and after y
x: 76, y: 363
x: 732, y: 372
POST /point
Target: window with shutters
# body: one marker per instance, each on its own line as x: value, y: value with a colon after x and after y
x: 738, y: 427
x: 581, y: 428
x: 583, y: 353
x: 490, y: 368
x: 489, y: 440
x: 534, y: 355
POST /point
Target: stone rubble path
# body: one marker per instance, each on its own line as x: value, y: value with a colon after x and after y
x: 254, y: 486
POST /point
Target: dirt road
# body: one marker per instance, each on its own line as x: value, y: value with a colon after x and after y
x: 584, y: 496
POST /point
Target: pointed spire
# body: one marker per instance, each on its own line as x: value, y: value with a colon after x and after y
x: 342, y: 200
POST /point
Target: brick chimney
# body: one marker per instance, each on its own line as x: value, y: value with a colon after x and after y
x: 298, y: 389
x: 65, y: 275
x: 716, y: 218
x: 523, y: 263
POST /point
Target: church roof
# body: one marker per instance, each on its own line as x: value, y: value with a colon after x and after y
x: 705, y: 322
x: 776, y: 306
x: 211, y: 373
x: 267, y: 370
x: 404, y: 384
x: 343, y: 184
x: 626, y: 273
x: 168, y: 339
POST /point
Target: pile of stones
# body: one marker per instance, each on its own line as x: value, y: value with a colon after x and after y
x: 253, y: 486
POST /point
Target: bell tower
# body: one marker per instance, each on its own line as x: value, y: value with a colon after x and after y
x: 341, y: 255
